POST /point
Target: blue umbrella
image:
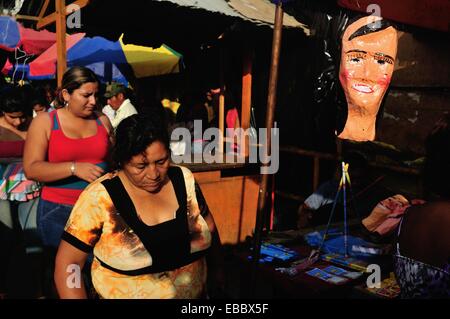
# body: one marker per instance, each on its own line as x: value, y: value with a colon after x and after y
x: 111, y: 61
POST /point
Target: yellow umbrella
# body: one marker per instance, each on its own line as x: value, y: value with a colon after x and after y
x: 146, y: 61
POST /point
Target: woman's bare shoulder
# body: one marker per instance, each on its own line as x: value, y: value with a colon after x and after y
x: 43, y: 118
x: 104, y: 119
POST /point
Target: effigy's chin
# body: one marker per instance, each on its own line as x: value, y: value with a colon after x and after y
x: 356, y: 134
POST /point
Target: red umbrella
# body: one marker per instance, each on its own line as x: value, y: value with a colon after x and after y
x: 13, y: 35
x: 46, y: 63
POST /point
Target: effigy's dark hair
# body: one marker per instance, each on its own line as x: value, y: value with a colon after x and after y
x: 372, y: 27
x: 135, y: 133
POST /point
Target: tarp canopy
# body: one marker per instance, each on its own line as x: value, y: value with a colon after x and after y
x: 260, y: 12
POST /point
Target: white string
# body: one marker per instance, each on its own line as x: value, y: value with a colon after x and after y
x: 24, y: 56
x: 23, y: 65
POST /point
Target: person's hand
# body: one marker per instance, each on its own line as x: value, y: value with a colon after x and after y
x: 87, y: 171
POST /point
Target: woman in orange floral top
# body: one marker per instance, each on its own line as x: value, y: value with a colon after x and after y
x: 142, y: 222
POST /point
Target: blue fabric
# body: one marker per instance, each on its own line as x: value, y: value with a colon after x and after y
x: 51, y: 220
x: 335, y: 242
x: 9, y: 33
x: 105, y: 58
x: 315, y: 238
x: 96, y: 49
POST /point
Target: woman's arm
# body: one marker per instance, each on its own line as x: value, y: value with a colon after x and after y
x: 68, y: 278
x: 35, y: 162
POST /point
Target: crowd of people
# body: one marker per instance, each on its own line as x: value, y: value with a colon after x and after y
x: 84, y: 167
x: 116, y: 219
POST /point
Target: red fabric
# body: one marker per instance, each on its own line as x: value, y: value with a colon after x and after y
x: 46, y: 62
x: 432, y: 14
x: 11, y: 148
x: 93, y: 149
x: 36, y: 42
x: 231, y: 118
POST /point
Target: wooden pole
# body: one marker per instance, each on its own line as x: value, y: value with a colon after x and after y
x: 222, y: 99
x: 49, y: 19
x: 60, y: 10
x: 271, y: 100
x: 246, y: 97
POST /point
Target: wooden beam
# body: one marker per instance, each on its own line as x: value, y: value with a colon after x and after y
x: 60, y: 9
x: 298, y: 151
x: 25, y: 17
x: 335, y: 157
x: 52, y: 17
x: 43, y: 9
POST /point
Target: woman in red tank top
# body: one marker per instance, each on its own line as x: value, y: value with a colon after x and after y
x: 66, y: 149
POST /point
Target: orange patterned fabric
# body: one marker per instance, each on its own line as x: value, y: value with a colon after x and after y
x: 95, y: 223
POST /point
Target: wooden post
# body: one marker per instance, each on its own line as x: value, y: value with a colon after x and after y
x: 246, y: 97
x: 60, y: 10
x: 271, y: 100
x: 222, y: 100
x: 43, y: 9
x: 49, y: 19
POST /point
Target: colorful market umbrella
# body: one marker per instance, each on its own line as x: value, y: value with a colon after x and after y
x: 111, y: 61
x: 146, y: 61
x: 43, y: 66
x: 13, y: 35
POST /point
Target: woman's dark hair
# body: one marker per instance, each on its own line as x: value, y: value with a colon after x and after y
x: 75, y: 77
x: 437, y: 163
x: 135, y: 133
x: 14, y: 99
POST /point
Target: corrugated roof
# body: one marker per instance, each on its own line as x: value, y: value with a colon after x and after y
x: 220, y: 6
x: 261, y: 12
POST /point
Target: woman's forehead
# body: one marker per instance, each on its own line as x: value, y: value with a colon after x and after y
x: 88, y: 87
x: 14, y: 114
x: 383, y: 41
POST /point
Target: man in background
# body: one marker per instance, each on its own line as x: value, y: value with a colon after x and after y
x: 117, y: 99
